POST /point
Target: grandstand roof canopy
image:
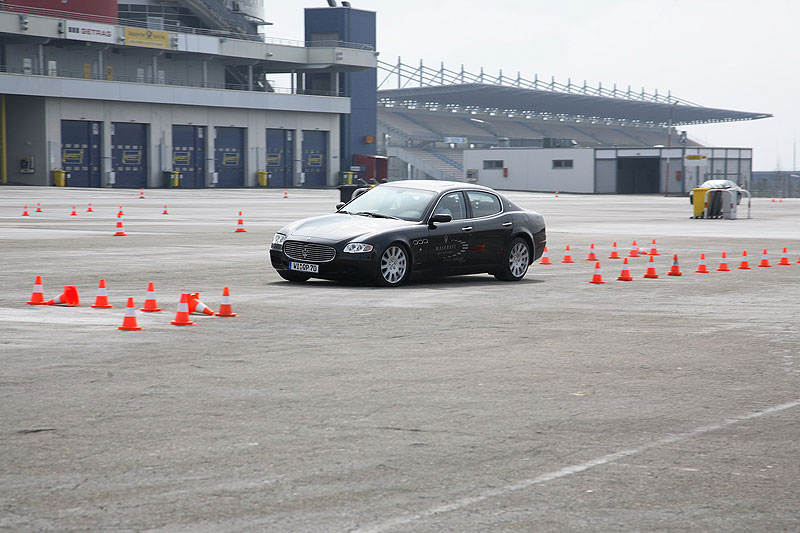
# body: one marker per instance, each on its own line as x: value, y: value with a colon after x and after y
x: 520, y: 100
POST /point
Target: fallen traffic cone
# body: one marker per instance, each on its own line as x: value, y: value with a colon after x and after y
x: 675, y: 270
x: 784, y: 258
x: 240, y: 225
x: 625, y: 275
x: 37, y: 298
x: 101, y: 300
x: 744, y: 265
x: 150, y: 304
x: 74, y: 213
x: 196, y: 306
x: 182, y: 316
x: 129, y: 322
x: 545, y: 257
x: 592, y: 256
x: 141, y: 193
x: 165, y: 212
x: 614, y: 252
x: 634, y: 250
x: 651, y: 270
x: 38, y: 207
x: 701, y: 267
x: 653, y: 249
x: 225, y: 308
x: 68, y: 298
x: 120, y: 230
x: 597, y: 278
x: 90, y: 210
x: 25, y: 212
x: 723, y: 264
x: 764, y: 260
x: 567, y: 256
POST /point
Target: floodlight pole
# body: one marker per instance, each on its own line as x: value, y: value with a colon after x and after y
x: 669, y: 146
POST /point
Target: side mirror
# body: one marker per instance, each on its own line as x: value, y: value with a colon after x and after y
x: 439, y: 218
x: 340, y: 205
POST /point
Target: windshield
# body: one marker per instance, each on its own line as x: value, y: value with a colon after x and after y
x: 395, y: 202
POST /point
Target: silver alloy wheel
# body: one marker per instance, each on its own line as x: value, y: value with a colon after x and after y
x: 518, y: 260
x: 394, y: 264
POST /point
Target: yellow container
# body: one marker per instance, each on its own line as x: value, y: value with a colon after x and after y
x: 699, y: 201
x: 263, y: 178
x: 60, y: 178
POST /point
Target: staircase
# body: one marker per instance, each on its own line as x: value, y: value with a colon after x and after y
x: 216, y: 16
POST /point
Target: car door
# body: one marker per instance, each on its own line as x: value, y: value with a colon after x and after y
x: 449, y: 242
x: 491, y: 227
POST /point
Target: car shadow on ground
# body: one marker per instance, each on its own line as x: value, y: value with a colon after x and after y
x: 474, y: 280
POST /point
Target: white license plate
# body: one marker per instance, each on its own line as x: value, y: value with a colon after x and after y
x: 304, y: 267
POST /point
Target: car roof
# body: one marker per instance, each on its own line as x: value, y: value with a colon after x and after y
x: 436, y: 185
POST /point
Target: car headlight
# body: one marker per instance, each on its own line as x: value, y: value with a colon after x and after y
x: 278, y: 239
x: 357, y: 248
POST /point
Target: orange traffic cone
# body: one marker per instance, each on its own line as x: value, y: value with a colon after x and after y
x: 141, y: 193
x: 556, y: 194
x: 651, y: 270
x: 567, y: 256
x: 165, y: 212
x: 634, y: 250
x: 150, y: 304
x: 701, y: 267
x: 653, y: 249
x: 675, y: 270
x: 101, y: 301
x: 592, y: 256
x: 225, y: 308
x: 37, y: 298
x: 240, y: 225
x: 784, y: 258
x: 74, y: 213
x: 68, y: 298
x: 25, y: 212
x: 38, y: 207
x: 744, y: 265
x: 286, y: 193
x: 545, y: 257
x: 129, y: 322
x: 120, y: 213
x: 182, y: 317
x: 625, y: 275
x: 723, y: 264
x: 120, y: 230
x: 614, y: 252
x: 90, y: 210
x: 196, y: 306
x: 597, y: 278
x: 764, y: 260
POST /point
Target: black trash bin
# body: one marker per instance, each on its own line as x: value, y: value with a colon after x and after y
x: 346, y: 192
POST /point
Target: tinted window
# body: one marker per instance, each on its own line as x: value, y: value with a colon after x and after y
x: 452, y: 204
x: 483, y: 204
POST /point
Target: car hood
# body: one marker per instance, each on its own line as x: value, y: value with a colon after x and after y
x: 339, y: 227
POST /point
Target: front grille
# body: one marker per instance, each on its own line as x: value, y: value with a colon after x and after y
x: 308, y: 251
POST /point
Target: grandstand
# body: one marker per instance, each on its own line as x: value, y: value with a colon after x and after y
x: 433, y: 115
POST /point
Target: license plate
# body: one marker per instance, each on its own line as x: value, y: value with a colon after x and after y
x: 304, y: 267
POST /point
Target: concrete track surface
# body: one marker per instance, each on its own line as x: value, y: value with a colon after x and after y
x: 463, y: 405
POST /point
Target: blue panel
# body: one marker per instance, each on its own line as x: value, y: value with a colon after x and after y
x: 280, y: 157
x: 315, y: 158
x: 129, y: 154
x: 229, y: 157
x: 189, y: 155
x: 80, y: 152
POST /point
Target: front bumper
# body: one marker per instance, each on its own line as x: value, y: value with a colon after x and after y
x: 354, y: 267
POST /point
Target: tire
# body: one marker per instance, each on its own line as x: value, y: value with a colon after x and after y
x: 294, y: 277
x: 394, y: 266
x: 516, y: 260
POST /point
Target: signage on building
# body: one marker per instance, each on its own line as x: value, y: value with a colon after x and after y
x: 147, y: 38
x: 695, y: 160
x: 90, y: 31
x: 455, y: 140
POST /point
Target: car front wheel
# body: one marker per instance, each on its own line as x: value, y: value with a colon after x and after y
x: 394, y: 266
x: 515, y: 262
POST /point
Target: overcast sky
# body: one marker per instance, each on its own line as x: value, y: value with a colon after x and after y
x: 731, y: 54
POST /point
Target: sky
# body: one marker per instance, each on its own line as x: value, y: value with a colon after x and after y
x: 732, y: 54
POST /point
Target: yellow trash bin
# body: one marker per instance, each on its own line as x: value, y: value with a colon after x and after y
x: 699, y: 201
x: 60, y: 178
x: 263, y: 178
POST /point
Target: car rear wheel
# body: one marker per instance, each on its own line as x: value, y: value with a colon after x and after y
x: 515, y: 262
x: 295, y: 277
x: 393, y: 268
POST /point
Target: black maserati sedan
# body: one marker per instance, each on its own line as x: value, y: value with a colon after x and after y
x: 401, y: 229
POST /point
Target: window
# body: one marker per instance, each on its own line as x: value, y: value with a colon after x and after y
x: 562, y: 163
x: 452, y: 204
x: 483, y: 204
x: 492, y: 164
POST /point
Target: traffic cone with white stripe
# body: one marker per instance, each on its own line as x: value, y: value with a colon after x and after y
x: 165, y: 212
x: 651, y: 270
x: 196, y: 306
x: 25, y: 212
x: 141, y: 192
x: 701, y: 267
x: 120, y: 230
x: 675, y: 270
x: 120, y: 213
x: 723, y: 264
x: 74, y: 213
x: 784, y: 258
x: 240, y: 225
x: 129, y: 322
x: 182, y: 316
x: 592, y: 256
x: 634, y: 250
x: 625, y: 275
x: 101, y: 300
x: 764, y: 259
x: 37, y: 297
x: 567, y: 257
x: 68, y: 298
x: 286, y: 193
x: 614, y: 252
x: 545, y: 257
x: 150, y: 304
x: 597, y: 278
x: 38, y: 207
x: 745, y: 264
x: 89, y: 209
x: 225, y: 308
x: 653, y: 249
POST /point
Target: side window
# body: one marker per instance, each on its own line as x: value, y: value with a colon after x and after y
x: 483, y: 204
x: 452, y: 204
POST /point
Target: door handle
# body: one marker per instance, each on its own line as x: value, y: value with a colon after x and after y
x: 507, y: 224
x: 466, y: 228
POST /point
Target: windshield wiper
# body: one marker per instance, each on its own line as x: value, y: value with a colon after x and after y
x: 381, y: 215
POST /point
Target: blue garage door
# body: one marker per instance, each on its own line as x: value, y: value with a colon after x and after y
x: 129, y: 154
x: 229, y: 157
x: 280, y: 157
x: 80, y: 152
x: 315, y: 158
x: 189, y: 155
